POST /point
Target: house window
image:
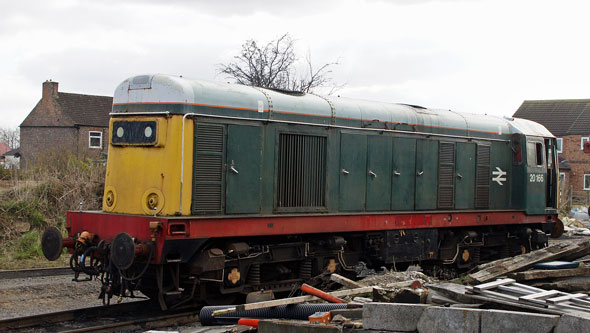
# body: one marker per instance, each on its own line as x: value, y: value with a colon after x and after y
x: 584, y: 139
x: 95, y: 140
x: 561, y: 178
x: 587, y: 181
x: 560, y: 145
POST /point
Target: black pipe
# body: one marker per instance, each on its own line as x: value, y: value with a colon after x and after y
x: 291, y: 311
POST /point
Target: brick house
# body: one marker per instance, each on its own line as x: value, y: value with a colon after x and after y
x: 10, y: 159
x: 4, y: 147
x: 569, y: 121
x: 65, y: 122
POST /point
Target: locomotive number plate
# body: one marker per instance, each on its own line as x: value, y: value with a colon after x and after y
x: 536, y: 178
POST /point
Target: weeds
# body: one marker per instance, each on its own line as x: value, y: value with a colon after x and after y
x: 25, y: 211
x: 41, y: 195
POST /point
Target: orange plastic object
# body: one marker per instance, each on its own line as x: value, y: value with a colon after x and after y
x: 248, y: 322
x: 85, y: 236
x: 320, y: 317
x: 318, y: 293
x: 416, y: 285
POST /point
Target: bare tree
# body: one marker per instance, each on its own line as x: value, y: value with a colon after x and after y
x: 11, y: 136
x: 274, y: 65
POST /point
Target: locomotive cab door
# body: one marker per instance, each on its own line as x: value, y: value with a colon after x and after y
x: 536, y: 175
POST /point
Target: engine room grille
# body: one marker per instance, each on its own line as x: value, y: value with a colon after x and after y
x: 301, y: 171
x: 482, y: 177
x: 208, y: 169
x: 446, y: 175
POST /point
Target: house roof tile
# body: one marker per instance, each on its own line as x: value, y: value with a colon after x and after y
x: 560, y: 117
x: 71, y: 110
x: 87, y: 110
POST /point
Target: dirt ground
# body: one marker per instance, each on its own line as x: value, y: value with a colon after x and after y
x: 30, y: 296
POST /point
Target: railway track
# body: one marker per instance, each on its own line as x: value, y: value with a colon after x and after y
x: 34, y: 272
x: 120, y: 317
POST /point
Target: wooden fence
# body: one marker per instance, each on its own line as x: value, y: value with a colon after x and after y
x: 570, y: 198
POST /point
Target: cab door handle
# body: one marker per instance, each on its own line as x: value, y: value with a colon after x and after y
x: 397, y: 173
x: 234, y: 170
x: 372, y: 173
x: 419, y: 173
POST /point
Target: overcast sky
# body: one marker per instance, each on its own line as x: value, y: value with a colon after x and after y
x: 480, y: 56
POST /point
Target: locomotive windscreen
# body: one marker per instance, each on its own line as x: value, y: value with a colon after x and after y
x: 134, y: 132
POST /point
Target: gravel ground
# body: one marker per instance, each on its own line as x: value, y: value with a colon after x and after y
x: 31, y: 296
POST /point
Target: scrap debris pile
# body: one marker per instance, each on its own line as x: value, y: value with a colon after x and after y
x: 544, y: 287
x: 578, y: 223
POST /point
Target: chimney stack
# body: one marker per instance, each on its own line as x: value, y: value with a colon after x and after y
x: 49, y: 89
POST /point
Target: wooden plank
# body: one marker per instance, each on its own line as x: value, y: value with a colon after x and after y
x: 514, y: 290
x: 571, y: 307
x: 529, y: 288
x: 493, y: 284
x: 527, y: 306
x: 583, y: 302
x: 544, y: 294
x: 291, y: 300
x: 568, y: 284
x: 499, y: 295
x: 496, y: 269
x: 549, y: 274
x: 346, y: 282
x: 564, y: 298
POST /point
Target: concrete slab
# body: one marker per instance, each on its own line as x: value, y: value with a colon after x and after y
x: 456, y: 320
x: 573, y: 323
x: 453, y: 291
x: 348, y: 313
x: 295, y: 326
x: 512, y: 321
x: 392, y: 316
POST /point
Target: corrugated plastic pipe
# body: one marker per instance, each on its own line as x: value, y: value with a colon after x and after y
x: 293, y: 311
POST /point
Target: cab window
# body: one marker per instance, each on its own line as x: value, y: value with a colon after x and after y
x: 535, y: 154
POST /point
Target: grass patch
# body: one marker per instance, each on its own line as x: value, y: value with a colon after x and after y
x: 29, y: 246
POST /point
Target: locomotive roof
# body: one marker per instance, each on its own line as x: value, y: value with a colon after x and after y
x: 181, y: 95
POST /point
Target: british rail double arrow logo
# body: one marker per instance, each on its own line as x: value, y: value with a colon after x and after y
x: 499, y: 176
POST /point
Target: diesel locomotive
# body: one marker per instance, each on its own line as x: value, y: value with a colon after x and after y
x: 214, y: 190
